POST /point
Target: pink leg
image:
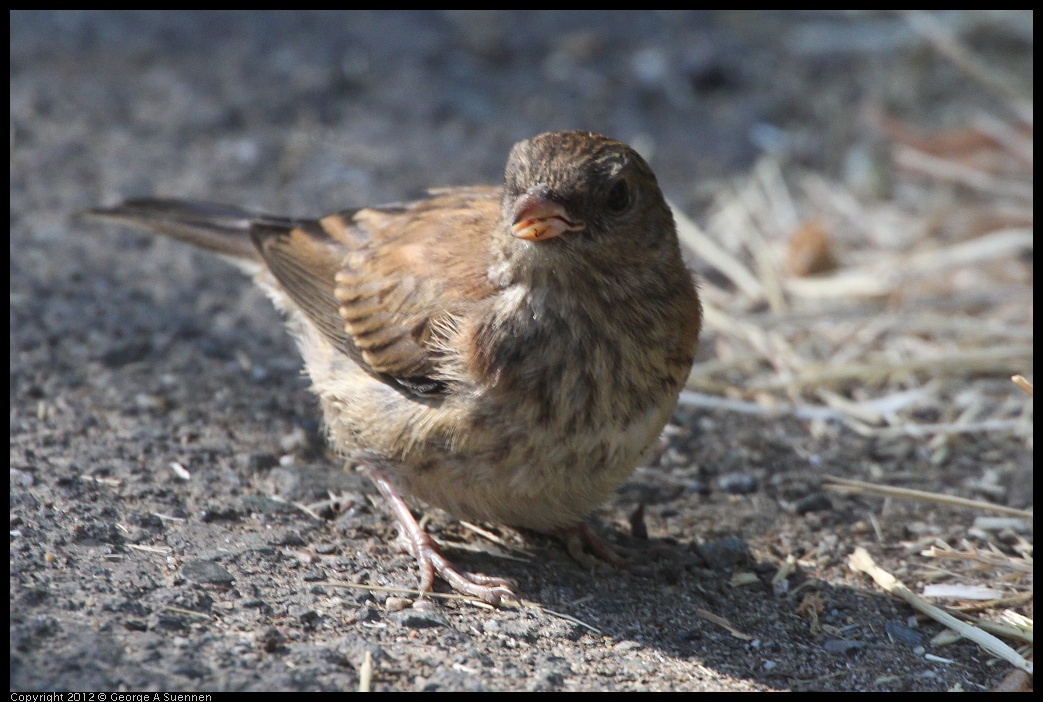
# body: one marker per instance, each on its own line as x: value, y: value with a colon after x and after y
x: 590, y: 550
x: 424, y: 549
x: 587, y: 548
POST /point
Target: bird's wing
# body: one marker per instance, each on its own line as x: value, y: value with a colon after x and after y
x: 406, y: 275
x: 383, y: 284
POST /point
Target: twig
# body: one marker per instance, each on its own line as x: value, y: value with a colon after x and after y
x: 961, y: 361
x: 947, y: 45
x: 524, y: 555
x: 858, y: 487
x: 1026, y: 386
x: 411, y: 591
x: 689, y: 398
x: 366, y: 673
x: 723, y: 623
x: 861, y: 561
x: 950, y: 171
x: 710, y: 252
x: 463, y: 598
x: 946, y: 429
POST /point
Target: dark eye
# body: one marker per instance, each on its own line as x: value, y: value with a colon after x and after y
x: 618, y: 197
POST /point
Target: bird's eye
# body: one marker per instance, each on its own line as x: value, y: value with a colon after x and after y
x: 618, y: 197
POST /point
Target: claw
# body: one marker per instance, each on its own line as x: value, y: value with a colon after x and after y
x: 487, y: 588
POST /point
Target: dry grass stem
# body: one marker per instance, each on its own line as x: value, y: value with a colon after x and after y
x: 975, y: 68
x: 1025, y: 385
x: 993, y: 561
x: 861, y: 561
x: 724, y: 624
x: 858, y: 487
x: 928, y: 302
x: 366, y: 673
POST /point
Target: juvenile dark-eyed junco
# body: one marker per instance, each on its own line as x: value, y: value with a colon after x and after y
x: 505, y: 353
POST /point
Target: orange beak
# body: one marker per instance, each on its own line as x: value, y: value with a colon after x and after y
x: 538, y: 218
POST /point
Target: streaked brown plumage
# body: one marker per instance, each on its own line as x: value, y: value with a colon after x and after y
x: 505, y: 353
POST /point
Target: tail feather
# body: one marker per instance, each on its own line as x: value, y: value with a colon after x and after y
x: 222, y: 229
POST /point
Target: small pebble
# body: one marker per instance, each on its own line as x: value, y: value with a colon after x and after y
x: 737, y: 483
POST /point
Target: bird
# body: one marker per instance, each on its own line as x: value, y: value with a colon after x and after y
x: 508, y: 353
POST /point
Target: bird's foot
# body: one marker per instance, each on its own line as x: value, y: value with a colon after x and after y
x: 487, y: 588
x: 591, y: 550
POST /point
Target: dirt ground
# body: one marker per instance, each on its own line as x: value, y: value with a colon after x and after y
x: 163, y: 439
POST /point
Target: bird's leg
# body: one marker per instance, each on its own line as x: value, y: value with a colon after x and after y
x: 425, y: 550
x: 590, y: 550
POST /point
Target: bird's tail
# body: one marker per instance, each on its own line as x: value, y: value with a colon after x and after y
x: 221, y: 229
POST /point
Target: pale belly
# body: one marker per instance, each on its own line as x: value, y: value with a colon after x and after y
x: 506, y: 463
x: 538, y: 480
